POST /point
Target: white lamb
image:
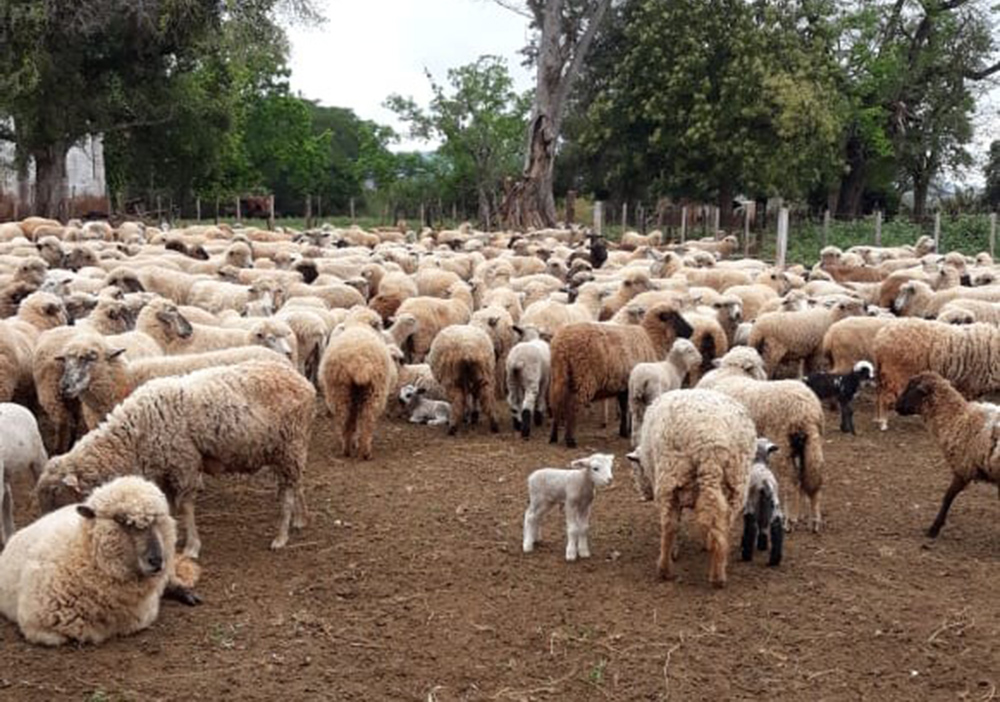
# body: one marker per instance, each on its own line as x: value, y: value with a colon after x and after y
x: 21, y: 452
x: 529, y: 366
x: 421, y: 409
x: 574, y: 488
x: 648, y: 381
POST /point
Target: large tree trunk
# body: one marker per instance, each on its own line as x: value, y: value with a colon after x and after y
x: 725, y: 206
x: 921, y: 186
x: 50, y: 179
x: 852, y: 185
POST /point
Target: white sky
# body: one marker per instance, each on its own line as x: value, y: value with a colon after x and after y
x: 369, y: 49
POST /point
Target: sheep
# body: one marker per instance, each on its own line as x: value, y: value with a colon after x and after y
x: 548, y: 316
x: 574, y: 489
x: 37, y: 313
x: 422, y: 410
x: 918, y: 299
x: 21, y: 453
x: 356, y: 374
x: 850, y: 341
x: 236, y: 419
x: 966, y: 355
x: 528, y: 370
x: 593, y: 361
x: 968, y: 434
x: 962, y: 311
x: 787, y: 413
x: 842, y: 387
x: 762, y: 515
x: 695, y: 452
x: 723, y: 248
x: 462, y: 359
x: 648, y: 381
x: 797, y: 336
x: 634, y: 282
x: 90, y: 572
x: 434, y: 314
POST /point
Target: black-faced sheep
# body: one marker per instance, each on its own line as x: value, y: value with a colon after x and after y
x: 968, y: 434
x: 574, y: 490
x: 237, y: 419
x: 92, y: 571
x: 842, y: 388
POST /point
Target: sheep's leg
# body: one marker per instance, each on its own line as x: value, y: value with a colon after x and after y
x: 487, y: 402
x: 815, y: 513
x: 300, y: 517
x: 368, y: 417
x: 623, y: 415
x: 749, y: 536
x: 883, y: 401
x: 533, y: 524
x: 583, y: 535
x: 571, y: 420
x: 286, y: 496
x: 605, y: 413
x: 846, y: 418
x: 957, y: 485
x: 670, y: 517
x: 192, y: 542
x: 777, y: 542
x: 526, y: 424
x: 456, y: 396
x: 574, y: 526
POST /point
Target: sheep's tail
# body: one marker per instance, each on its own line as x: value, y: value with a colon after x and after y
x: 469, y: 376
x: 798, y: 441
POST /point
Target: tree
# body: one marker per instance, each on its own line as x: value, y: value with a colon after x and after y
x: 565, y: 31
x: 992, y: 173
x: 103, y: 66
x: 480, y: 120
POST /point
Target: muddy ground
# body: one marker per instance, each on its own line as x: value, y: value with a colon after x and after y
x: 410, y: 584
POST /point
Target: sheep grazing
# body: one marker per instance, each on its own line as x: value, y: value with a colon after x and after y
x: 462, y: 360
x: 968, y: 434
x: 648, y: 381
x: 356, y: 374
x: 89, y: 572
x: 529, y: 366
x: 842, y: 388
x: 236, y: 419
x: 762, y: 514
x: 21, y: 453
x: 574, y: 490
x: 422, y: 410
x: 695, y: 453
x: 593, y: 361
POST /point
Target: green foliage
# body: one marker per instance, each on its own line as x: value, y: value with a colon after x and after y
x: 480, y: 121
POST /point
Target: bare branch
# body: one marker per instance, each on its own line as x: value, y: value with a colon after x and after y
x: 515, y: 7
x: 984, y: 73
x: 582, y: 48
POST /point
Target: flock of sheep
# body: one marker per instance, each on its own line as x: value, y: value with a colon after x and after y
x: 147, y: 357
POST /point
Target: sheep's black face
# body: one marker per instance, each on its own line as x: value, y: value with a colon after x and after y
x: 913, y: 398
x: 681, y: 328
x: 174, y: 322
x: 76, y: 373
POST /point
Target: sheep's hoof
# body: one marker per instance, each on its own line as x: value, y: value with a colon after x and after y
x: 539, y: 418
x: 184, y: 595
x: 570, y: 557
x: 570, y: 443
x: 719, y: 584
x: 494, y: 427
x: 517, y: 424
x: 934, y: 531
x: 279, y: 543
x: 883, y: 425
x: 452, y: 430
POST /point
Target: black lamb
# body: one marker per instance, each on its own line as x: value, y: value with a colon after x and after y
x: 842, y: 387
x: 762, y: 513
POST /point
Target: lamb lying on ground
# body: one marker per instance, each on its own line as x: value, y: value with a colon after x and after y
x: 762, y: 510
x: 574, y: 489
x: 89, y: 572
x: 422, y: 410
x: 842, y: 387
x: 21, y: 452
x: 968, y: 434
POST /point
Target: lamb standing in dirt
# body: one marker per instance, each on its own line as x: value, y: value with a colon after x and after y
x: 968, y: 434
x: 574, y: 489
x: 528, y: 370
x: 842, y: 387
x: 762, y: 510
x: 648, y: 381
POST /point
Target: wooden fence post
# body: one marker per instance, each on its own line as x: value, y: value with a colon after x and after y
x: 270, y: 212
x: 197, y: 208
x: 782, y: 244
x: 641, y: 215
x: 716, y: 216
x: 937, y: 231
x: 993, y: 234
x: 216, y: 209
x: 570, y: 216
x: 746, y: 231
x: 599, y: 218
x: 159, y: 210
x: 826, y: 227
x: 684, y: 223
x: 624, y: 216
x: 352, y: 210
x: 309, y: 211
x: 239, y: 209
x: 878, y: 227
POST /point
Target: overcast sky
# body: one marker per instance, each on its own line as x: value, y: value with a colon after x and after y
x: 369, y: 49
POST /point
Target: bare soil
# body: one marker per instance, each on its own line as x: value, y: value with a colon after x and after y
x: 410, y: 584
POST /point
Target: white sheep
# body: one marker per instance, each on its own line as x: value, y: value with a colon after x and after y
x: 574, y: 489
x: 529, y: 366
x: 762, y: 513
x: 21, y: 452
x: 648, y: 381
x: 421, y: 409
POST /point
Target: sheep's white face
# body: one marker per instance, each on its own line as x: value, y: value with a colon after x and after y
x: 599, y: 466
x: 903, y: 297
x: 764, y: 450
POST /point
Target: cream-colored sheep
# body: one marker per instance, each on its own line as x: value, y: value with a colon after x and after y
x: 648, y: 381
x: 463, y: 360
x: 434, y: 314
x: 852, y: 340
x: 237, y: 419
x: 694, y: 453
x: 797, y: 336
x: 93, y: 571
x: 918, y: 299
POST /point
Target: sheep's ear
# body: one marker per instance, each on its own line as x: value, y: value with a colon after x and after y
x: 580, y: 463
x: 518, y: 330
x: 86, y: 512
x: 421, y: 391
x: 71, y: 481
x: 771, y: 448
x: 633, y: 456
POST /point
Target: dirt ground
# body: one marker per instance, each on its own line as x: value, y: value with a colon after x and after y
x: 410, y: 584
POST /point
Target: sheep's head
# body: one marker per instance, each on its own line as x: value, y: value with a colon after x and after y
x: 665, y: 321
x: 239, y: 254
x: 58, y: 487
x: 636, y: 282
x: 598, y: 467
x: 848, y: 307
x: 117, y: 315
x: 32, y: 271
x: 746, y: 360
x: 776, y: 280
x: 79, y: 360
x: 865, y: 371
x: 685, y: 354
x: 957, y: 315
x: 48, y: 309
x: 172, y: 321
x: 924, y: 245
x: 125, y: 279
x: 906, y: 293
x: 920, y: 393
x: 275, y: 335
x: 132, y: 535
x: 79, y: 257
x: 764, y: 450
x: 409, y: 396
x: 51, y: 250
x: 729, y: 308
